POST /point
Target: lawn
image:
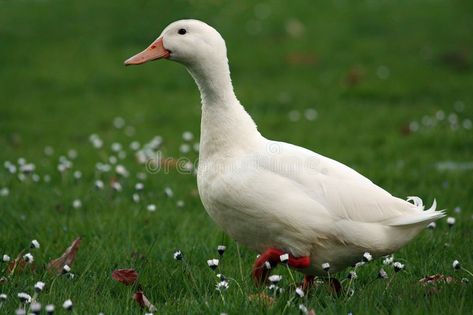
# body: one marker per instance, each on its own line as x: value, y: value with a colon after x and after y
x: 382, y: 86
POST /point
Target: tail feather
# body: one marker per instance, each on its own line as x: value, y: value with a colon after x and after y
x: 420, y: 217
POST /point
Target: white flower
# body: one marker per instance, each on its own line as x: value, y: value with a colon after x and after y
x: 76, y: 204
x: 367, y: 257
x: 221, y: 249
x: 457, y: 209
x: 27, y: 168
x: 398, y: 266
x: 352, y: 275
x: 184, y: 148
x: 151, y: 207
x: 187, y: 136
x: 222, y: 285
x: 35, y: 307
x: 77, y: 175
x: 72, y: 154
x: 267, y: 265
x: 34, y: 244
x: 303, y: 309
x: 326, y: 266
x: 4, y: 192
x: 48, y: 150
x: 135, y: 145
x: 67, y: 305
x: 213, y: 263
x: 456, y: 264
x: 284, y: 258
x: 432, y: 225
x: 6, y: 258
x: 99, y: 184
x: 178, y: 255
x: 168, y: 192
x: 50, y: 308
x: 136, y: 198
x: 3, y: 297
x: 20, y: 311
x: 24, y: 297
x: 116, y: 147
x: 274, y: 278
x: 39, y: 286
x: 300, y: 292
x: 180, y: 203
x: 66, y: 269
x: 121, y: 170
x: 117, y: 186
x: 451, y: 221
x: 28, y: 258
x: 139, y: 186
x: 118, y: 122
x: 382, y: 274
x: 388, y: 260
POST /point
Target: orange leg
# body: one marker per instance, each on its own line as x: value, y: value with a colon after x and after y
x: 269, y: 259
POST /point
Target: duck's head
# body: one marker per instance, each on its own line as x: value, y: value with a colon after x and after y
x: 189, y: 42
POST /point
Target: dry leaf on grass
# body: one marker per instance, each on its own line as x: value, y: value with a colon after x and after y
x: 19, y: 264
x: 438, y: 278
x: 143, y: 301
x: 125, y: 276
x: 67, y: 258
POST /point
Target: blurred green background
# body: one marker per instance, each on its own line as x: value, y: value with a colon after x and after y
x: 390, y: 82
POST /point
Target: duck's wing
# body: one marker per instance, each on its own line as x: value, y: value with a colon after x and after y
x: 342, y: 191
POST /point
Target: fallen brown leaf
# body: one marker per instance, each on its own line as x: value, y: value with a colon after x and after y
x: 67, y: 258
x: 19, y: 264
x: 437, y: 278
x: 125, y: 276
x: 143, y: 301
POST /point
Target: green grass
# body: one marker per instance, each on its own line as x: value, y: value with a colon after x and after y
x: 62, y: 79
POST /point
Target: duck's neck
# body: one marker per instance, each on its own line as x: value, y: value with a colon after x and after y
x: 225, y: 125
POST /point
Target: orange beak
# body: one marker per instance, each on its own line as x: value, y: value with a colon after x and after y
x: 155, y: 51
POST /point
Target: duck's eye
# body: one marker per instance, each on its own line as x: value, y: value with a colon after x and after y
x: 182, y: 31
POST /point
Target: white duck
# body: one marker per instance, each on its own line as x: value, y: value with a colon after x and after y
x: 276, y: 197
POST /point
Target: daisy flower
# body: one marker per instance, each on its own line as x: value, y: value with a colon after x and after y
x: 67, y: 305
x: 221, y: 249
x: 451, y: 221
x: 28, y: 258
x: 456, y: 264
x: 367, y: 257
x: 382, y: 274
x: 50, y: 309
x: 398, y: 266
x: 222, y: 285
x: 326, y: 266
x: 39, y: 286
x: 24, y: 297
x: 213, y: 263
x: 34, y: 244
x: 300, y: 292
x: 274, y: 279
x: 284, y: 258
x: 178, y: 255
